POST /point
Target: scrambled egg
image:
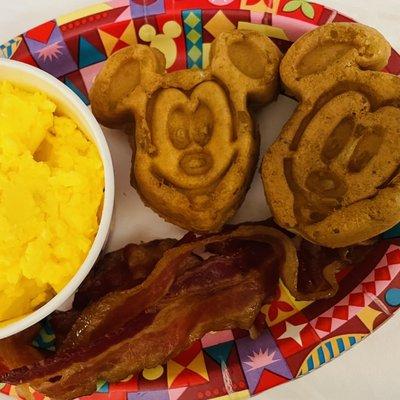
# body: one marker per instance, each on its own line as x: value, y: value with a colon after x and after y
x: 51, y: 192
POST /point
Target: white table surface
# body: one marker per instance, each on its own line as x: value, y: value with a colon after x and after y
x: 370, y: 370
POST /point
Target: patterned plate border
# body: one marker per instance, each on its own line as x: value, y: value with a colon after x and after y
x: 298, y: 336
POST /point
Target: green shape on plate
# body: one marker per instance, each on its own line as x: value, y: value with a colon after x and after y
x: 102, y: 386
x: 307, y: 9
x: 292, y: 5
x: 194, y: 53
x: 192, y: 19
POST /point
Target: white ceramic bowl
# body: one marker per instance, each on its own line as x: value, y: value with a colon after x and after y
x: 71, y: 105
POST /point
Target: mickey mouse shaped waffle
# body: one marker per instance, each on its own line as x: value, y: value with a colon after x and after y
x: 332, y: 176
x: 195, y: 148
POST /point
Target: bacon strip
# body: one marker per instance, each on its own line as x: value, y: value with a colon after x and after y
x: 120, y: 270
x: 113, y: 310
x: 16, y: 350
x: 315, y: 276
x: 144, y: 326
x: 155, y: 338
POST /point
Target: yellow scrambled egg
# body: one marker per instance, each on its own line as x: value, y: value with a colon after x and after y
x: 51, y: 191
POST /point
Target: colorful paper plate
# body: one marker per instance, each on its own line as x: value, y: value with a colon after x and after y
x: 300, y: 336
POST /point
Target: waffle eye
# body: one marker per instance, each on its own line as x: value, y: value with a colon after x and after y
x: 178, y: 129
x: 202, y: 125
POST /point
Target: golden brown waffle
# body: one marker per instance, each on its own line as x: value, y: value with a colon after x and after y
x: 332, y: 175
x: 195, y: 147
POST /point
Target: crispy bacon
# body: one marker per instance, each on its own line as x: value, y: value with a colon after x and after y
x: 120, y: 270
x: 147, y: 341
x: 115, y: 271
x: 113, y: 310
x: 61, y: 323
x: 315, y: 276
x: 133, y: 313
x: 16, y: 350
x: 144, y: 326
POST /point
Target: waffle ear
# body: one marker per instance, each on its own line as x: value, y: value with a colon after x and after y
x: 247, y: 63
x: 131, y: 69
x: 333, y: 45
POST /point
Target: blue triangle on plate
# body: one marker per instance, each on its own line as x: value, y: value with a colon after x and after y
x: 71, y: 85
x: 392, y: 233
x: 102, y: 387
x: 89, y: 54
x: 220, y: 352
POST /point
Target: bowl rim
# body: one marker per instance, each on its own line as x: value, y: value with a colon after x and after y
x: 108, y: 201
